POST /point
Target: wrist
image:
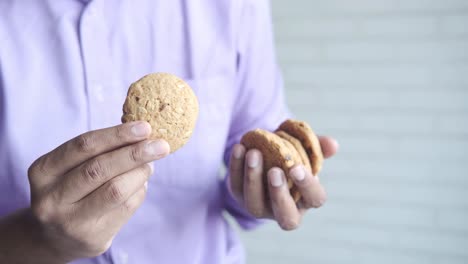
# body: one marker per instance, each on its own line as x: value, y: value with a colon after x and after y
x: 24, y: 241
x: 51, y: 245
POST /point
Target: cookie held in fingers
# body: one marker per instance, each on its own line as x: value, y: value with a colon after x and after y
x: 297, y: 146
x: 304, y: 133
x: 167, y: 103
x: 276, y: 152
x: 292, y: 143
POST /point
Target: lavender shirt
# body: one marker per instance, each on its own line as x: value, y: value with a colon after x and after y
x: 65, y: 67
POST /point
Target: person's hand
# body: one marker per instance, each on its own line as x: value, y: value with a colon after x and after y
x: 247, y: 186
x: 85, y: 190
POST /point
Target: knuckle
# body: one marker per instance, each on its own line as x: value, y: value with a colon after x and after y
x: 38, y: 167
x: 115, y: 194
x: 129, y: 205
x: 135, y: 154
x: 121, y: 133
x: 289, y: 224
x: 235, y: 168
x: 250, y: 176
x: 93, y: 171
x: 133, y: 203
x: 85, y: 143
x: 44, y: 212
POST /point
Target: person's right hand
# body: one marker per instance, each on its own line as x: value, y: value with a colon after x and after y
x: 85, y: 190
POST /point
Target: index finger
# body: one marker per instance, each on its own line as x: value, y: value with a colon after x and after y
x: 88, y: 145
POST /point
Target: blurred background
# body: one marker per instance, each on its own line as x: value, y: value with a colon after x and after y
x: 388, y: 79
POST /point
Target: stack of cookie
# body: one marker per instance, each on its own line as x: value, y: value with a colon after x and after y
x: 292, y: 143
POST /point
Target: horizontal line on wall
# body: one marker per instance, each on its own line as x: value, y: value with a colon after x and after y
x: 428, y: 182
x: 304, y: 86
x: 382, y: 110
x: 384, y: 39
x: 356, y: 132
x: 362, y: 37
x: 390, y: 14
x: 286, y: 63
x: 388, y: 156
x: 385, y: 202
x: 373, y: 225
x: 331, y: 221
x: 383, y: 157
x: 329, y: 15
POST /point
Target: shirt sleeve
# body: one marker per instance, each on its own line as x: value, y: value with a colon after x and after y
x: 260, y: 101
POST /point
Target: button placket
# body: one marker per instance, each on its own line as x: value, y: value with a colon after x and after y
x: 92, y: 43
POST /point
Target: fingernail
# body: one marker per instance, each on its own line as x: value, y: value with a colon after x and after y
x: 141, y: 129
x: 157, y: 148
x: 276, y: 177
x: 298, y: 173
x: 151, y: 165
x: 146, y: 185
x: 253, y: 160
x: 237, y: 152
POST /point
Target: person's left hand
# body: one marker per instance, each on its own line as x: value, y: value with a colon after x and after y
x: 247, y: 186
